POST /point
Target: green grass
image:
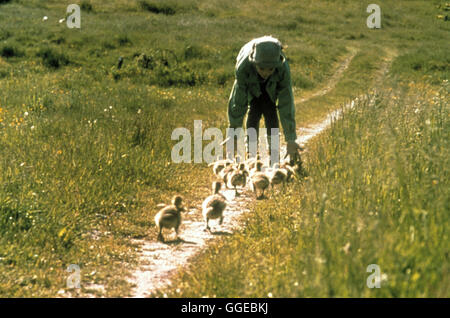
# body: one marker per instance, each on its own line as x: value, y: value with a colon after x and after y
x: 377, y: 193
x: 85, y: 147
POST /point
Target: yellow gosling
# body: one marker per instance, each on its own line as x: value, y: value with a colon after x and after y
x: 169, y: 217
x: 214, y: 205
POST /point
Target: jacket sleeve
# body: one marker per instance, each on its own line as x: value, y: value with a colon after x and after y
x: 286, y: 107
x: 237, y: 103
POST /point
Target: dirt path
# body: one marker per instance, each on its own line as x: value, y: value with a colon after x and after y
x: 160, y: 260
x: 333, y: 80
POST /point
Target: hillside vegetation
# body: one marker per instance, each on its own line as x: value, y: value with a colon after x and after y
x: 85, y: 146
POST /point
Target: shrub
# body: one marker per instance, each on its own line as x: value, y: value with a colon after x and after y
x: 145, y: 61
x: 86, y: 6
x: 157, y: 8
x: 193, y: 51
x: 162, y: 67
x: 123, y: 40
x: 52, y: 59
x: 10, y: 51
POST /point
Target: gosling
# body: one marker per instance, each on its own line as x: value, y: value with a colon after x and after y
x: 214, y: 205
x: 290, y: 171
x: 259, y: 181
x: 278, y: 175
x: 169, y: 217
x: 225, y: 173
x: 238, y: 178
x: 255, y: 168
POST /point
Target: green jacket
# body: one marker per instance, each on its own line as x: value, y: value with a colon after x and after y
x: 246, y: 87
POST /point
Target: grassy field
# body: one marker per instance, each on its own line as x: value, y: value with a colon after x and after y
x: 377, y: 194
x: 85, y: 147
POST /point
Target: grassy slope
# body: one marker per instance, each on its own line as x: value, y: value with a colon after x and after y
x: 79, y: 179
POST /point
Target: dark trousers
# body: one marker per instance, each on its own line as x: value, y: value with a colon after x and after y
x: 263, y: 106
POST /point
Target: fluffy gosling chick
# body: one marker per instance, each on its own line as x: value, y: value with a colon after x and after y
x: 257, y: 167
x: 214, y: 205
x: 170, y: 217
x: 278, y: 175
x: 238, y: 177
x: 290, y: 171
x: 259, y: 180
x: 225, y: 173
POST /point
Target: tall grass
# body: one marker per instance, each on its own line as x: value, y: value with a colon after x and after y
x: 378, y: 193
x: 85, y: 146
x: 75, y: 168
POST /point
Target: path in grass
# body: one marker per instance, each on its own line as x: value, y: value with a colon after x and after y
x: 160, y: 260
x: 333, y: 80
x: 306, y: 133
